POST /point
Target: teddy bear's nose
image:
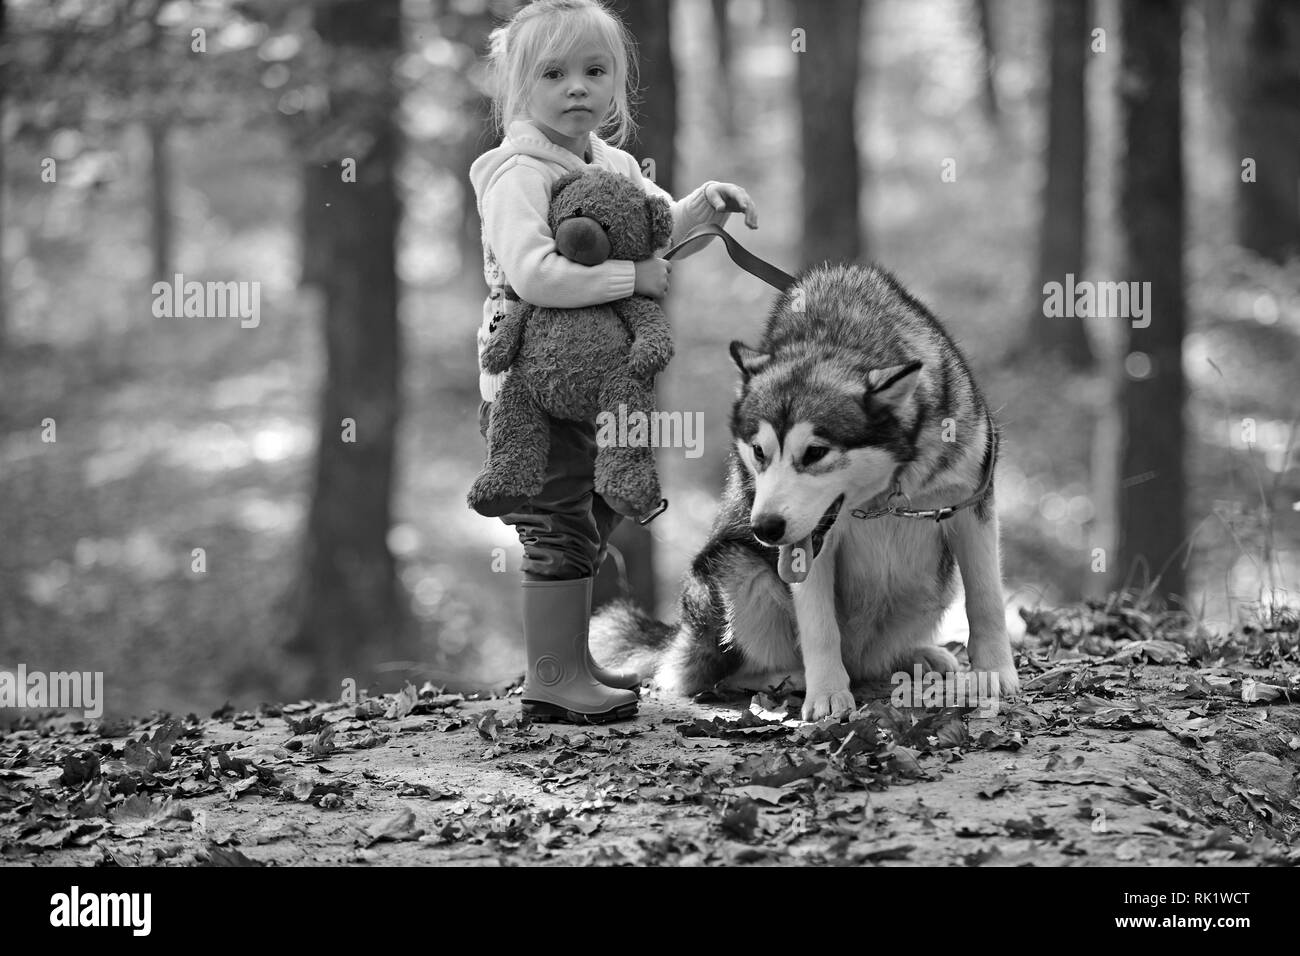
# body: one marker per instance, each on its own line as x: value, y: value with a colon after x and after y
x: 581, y: 239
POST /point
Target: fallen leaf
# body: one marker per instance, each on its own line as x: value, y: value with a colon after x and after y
x: 79, y: 768
x: 323, y: 743
x: 1129, y: 850
x: 397, y: 826
x: 488, y: 726
x: 1156, y: 651
x: 770, y: 795
x: 403, y: 703
x: 788, y: 774
x: 996, y: 740
x: 995, y: 786
x: 1074, y: 778
x: 226, y: 856
x: 901, y: 852
x: 742, y: 820
x: 1035, y: 828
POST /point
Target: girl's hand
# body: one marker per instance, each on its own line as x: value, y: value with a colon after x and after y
x: 652, y: 278
x: 733, y: 199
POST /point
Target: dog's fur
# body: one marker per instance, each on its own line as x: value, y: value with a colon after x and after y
x: 852, y: 364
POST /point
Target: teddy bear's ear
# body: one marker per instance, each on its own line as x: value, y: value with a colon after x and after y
x: 661, y: 221
x: 563, y: 183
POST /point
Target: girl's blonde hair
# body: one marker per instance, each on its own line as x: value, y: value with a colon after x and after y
x: 546, y: 30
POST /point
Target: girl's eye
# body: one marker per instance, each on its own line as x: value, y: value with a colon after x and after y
x: 597, y: 70
x: 758, y: 454
x: 814, y: 454
x: 551, y: 74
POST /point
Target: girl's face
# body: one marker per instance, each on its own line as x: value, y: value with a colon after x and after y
x: 570, y: 97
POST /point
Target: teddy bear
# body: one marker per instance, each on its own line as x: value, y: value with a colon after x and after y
x: 576, y: 363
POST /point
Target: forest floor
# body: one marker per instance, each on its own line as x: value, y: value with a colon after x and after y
x: 1132, y: 743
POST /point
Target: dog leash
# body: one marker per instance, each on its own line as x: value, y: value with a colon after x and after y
x: 741, y: 256
x: 747, y: 261
x: 938, y: 514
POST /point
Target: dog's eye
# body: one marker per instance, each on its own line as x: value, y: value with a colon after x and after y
x: 758, y: 454
x: 814, y: 454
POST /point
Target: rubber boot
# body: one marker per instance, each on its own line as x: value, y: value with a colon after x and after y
x: 626, y: 680
x: 560, y: 686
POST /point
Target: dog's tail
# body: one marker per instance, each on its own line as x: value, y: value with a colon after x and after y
x: 623, y: 637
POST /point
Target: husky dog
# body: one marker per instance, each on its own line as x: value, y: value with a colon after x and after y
x: 856, y: 400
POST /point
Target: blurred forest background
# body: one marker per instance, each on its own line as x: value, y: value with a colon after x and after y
x: 977, y: 148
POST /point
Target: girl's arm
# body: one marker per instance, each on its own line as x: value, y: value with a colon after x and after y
x: 692, y: 210
x: 514, y: 223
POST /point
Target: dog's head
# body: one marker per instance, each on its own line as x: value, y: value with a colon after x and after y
x: 817, y: 432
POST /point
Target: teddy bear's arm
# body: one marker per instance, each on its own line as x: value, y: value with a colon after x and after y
x: 500, y: 352
x: 652, y: 339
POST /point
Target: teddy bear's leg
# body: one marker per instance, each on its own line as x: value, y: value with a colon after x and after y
x: 518, y: 440
x: 500, y: 352
x: 625, y: 474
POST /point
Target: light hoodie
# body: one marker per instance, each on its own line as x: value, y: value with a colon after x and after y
x: 513, y: 186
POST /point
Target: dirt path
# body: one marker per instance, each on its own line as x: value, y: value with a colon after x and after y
x: 1103, y: 761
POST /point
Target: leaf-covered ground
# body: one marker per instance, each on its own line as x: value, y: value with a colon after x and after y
x: 1137, y: 740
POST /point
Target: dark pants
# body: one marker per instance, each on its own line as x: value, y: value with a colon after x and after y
x: 565, y: 529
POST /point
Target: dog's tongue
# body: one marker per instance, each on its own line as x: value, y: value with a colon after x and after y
x: 795, y: 561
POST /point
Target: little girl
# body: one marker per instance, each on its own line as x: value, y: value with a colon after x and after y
x: 561, y: 72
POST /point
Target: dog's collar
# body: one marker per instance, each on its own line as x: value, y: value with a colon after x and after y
x: 938, y: 514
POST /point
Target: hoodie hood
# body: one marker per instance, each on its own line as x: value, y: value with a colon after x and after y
x: 524, y: 139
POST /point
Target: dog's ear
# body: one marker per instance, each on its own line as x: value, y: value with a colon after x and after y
x: 893, y: 385
x: 661, y: 221
x: 749, y: 361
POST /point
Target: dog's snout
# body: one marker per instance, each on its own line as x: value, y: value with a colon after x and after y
x: 768, y: 528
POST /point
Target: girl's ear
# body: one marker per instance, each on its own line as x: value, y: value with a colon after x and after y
x: 661, y: 221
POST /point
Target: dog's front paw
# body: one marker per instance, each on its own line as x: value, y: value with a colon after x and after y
x: 827, y: 700
x: 1008, y: 681
x: 999, y: 667
x: 992, y: 655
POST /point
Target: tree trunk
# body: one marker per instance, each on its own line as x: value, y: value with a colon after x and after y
x: 350, y: 617
x: 4, y: 285
x: 1062, y: 232
x: 988, y: 65
x: 1265, y: 87
x: 650, y: 23
x: 827, y: 87
x: 1152, y: 483
x: 725, y: 91
x: 157, y: 129
x: 160, y: 218
x: 470, y: 25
